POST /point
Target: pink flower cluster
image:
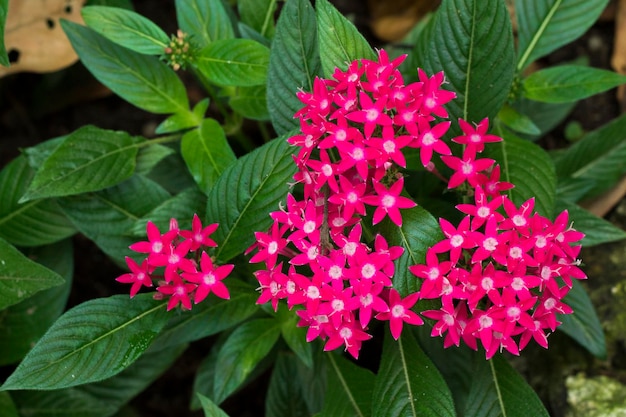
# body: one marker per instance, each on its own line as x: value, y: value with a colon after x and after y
x: 185, y: 270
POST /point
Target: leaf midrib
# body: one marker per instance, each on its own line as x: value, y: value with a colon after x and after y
x: 135, y: 32
x: 345, y: 386
x: 537, y: 36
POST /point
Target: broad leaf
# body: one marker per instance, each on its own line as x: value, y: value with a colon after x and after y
x: 284, y: 397
x: 349, y: 388
x: 294, y: 61
x: 207, y: 153
x: 295, y: 336
x: 517, y: 121
x: 91, y: 342
x: 142, y: 80
x: 4, y: 7
x: 408, y: 383
x: 545, y: 25
x: 172, y: 174
x: 567, y: 83
x: 205, y: 20
x: 234, y: 62
x: 340, y: 42
x: 20, y: 277
x: 181, y: 121
x: 251, y: 102
x: 89, y: 159
x: 546, y: 116
x: 573, y: 189
x: 596, y: 229
x: 243, y: 350
x: 204, y: 380
x: 583, y: 325
x: 209, y: 407
x: 472, y: 43
x: 314, y: 378
x: 149, y: 156
x: 6, y: 403
x: 245, y: 193
x: 126, y: 28
x: 33, y: 223
x: 498, y: 390
x: 259, y: 15
x: 69, y: 402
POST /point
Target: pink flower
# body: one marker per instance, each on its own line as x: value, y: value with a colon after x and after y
x: 399, y: 312
x: 138, y: 276
x: 475, y: 137
x: 157, y: 244
x: 429, y: 141
x: 350, y: 335
x: 179, y: 292
x: 467, y: 168
x: 457, y: 239
x: 199, y: 235
x: 209, y: 279
x: 389, y: 201
x: 371, y: 114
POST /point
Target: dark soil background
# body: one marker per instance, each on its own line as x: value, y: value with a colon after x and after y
x: 35, y: 107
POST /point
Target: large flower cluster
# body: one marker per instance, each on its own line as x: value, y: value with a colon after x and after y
x: 176, y: 260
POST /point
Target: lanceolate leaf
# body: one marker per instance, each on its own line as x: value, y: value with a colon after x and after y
x: 141, y: 80
x: 583, y: 325
x: 545, y: 25
x: 4, y: 58
x: 348, y: 390
x: 251, y: 102
x: 259, y: 15
x: 596, y: 229
x: 210, y: 408
x: 32, y: 223
x: 498, y: 390
x: 6, y: 403
x: 91, y: 342
x: 294, y: 62
x: 69, y: 402
x: 339, y: 41
x: 408, y: 383
x: 472, y: 42
x: 245, y: 193
x: 234, y: 62
x: 205, y: 20
x: 285, y: 396
x: 89, y: 159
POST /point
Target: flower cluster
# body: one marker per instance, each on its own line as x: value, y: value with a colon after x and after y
x: 176, y: 260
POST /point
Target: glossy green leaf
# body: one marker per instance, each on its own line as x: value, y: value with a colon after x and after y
x: 339, y: 40
x: 259, y: 15
x: 566, y: 83
x: 4, y: 7
x: 246, y: 192
x: 209, y: 407
x: 69, y: 402
x: 33, y: 223
x: 294, y: 62
x: 295, y: 336
x: 251, y: 102
x: 207, y: 153
x: 472, y: 43
x: 91, y: 342
x: 498, y: 390
x: 89, y: 159
x: 573, y: 189
x: 142, y: 80
x: 528, y: 167
x: 349, y: 388
x: 596, y: 229
x: 546, y: 116
x: 408, y: 383
x: 314, y: 379
x: 22, y: 324
x: 517, y: 121
x: 243, y: 350
x: 126, y: 28
x: 181, y: 121
x: 284, y: 397
x: 149, y: 156
x: 20, y: 277
x: 204, y: 380
x: 545, y: 25
x: 583, y: 325
x: 205, y: 20
x: 234, y: 62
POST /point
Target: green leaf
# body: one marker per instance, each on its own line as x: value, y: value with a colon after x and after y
x: 172, y: 174
x: 22, y: 324
x: 472, y: 42
x: 259, y: 15
x: 204, y: 380
x: 246, y: 192
x: 4, y: 7
x: 295, y: 336
x: 6, y: 403
x: 528, y: 167
x: 408, y: 383
x: 349, y: 388
x: 207, y: 153
x: 126, y: 28
x: 20, y: 277
x: 69, y: 402
x: 294, y: 62
x: 205, y: 20
x: 314, y: 379
x: 149, y: 156
x: 596, y: 229
x: 546, y: 116
x: 573, y: 189
x: 89, y: 159
x: 251, y: 102
x: 284, y: 397
x: 243, y: 350
x: 340, y: 42
x: 209, y: 407
x: 517, y: 121
x: 182, y: 121
x: 583, y: 325
x: 419, y: 232
x: 91, y: 342
x: 498, y: 390
x: 546, y: 25
x: 234, y: 62
x: 32, y: 223
x: 566, y: 83
x: 142, y: 80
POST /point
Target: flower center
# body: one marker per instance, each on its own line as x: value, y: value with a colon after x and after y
x: 428, y: 139
x: 368, y: 271
x: 490, y: 244
x: 456, y: 241
x: 272, y: 247
x: 371, y: 115
x: 309, y: 227
x: 157, y: 247
x: 388, y: 201
x: 209, y: 279
x: 389, y: 146
x: 397, y: 311
x: 313, y: 292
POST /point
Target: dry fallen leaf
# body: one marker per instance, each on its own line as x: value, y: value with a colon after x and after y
x: 34, y: 38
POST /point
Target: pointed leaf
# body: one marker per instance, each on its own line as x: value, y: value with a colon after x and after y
x: 284, y: 397
x: 126, y: 28
x: 545, y: 25
x: 408, y: 383
x: 205, y: 20
x: 181, y: 121
x: 4, y: 7
x: 596, y: 229
x: 246, y: 192
x: 91, y: 342
x: 251, y: 102
x: 210, y: 408
x: 546, y: 116
x: 89, y: 159
x: 20, y: 277
x: 149, y: 156
x: 234, y: 62
x: 348, y: 390
x: 294, y: 62
x: 472, y: 42
x: 573, y: 189
x: 243, y: 350
x: 295, y: 337
x: 142, y: 80
x: 259, y: 15
x: 69, y: 402
x: 517, y: 121
x: 207, y: 153
x: 6, y: 403
x: 339, y: 40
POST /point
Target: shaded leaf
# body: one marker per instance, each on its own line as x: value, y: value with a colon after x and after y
x: 284, y: 397
x: 182, y: 121
x: 573, y: 189
x: 546, y: 116
x: 69, y: 402
x: 348, y: 390
x: 4, y: 58
x: 295, y: 336
x: 205, y: 20
x: 251, y: 102
x: 259, y: 15
x: 517, y: 121
x: 209, y: 407
x: 596, y: 229
x: 149, y: 156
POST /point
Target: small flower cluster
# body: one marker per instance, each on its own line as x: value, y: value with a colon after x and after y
x: 185, y: 270
x: 178, y: 51
x: 353, y: 130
